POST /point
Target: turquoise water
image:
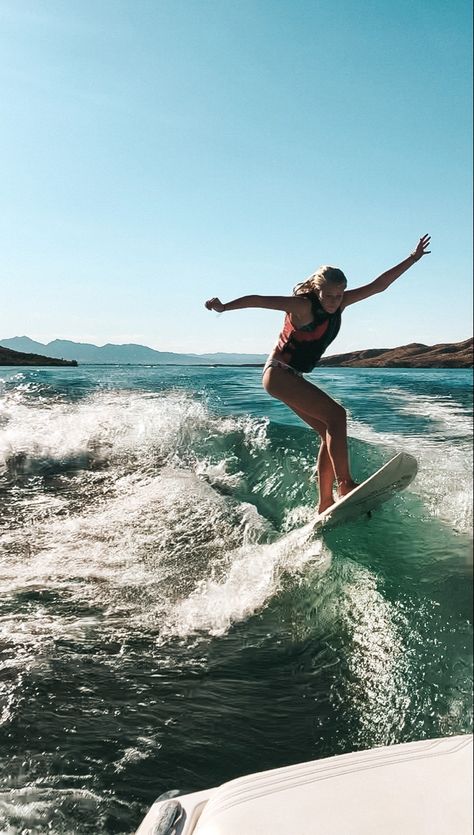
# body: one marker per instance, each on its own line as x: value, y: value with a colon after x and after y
x: 164, y: 627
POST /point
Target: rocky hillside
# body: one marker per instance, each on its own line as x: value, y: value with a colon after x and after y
x: 416, y: 355
x: 8, y: 357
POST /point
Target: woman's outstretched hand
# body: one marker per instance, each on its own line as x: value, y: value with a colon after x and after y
x: 215, y: 304
x: 422, y: 248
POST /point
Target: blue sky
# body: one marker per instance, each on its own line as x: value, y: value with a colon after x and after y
x: 155, y: 153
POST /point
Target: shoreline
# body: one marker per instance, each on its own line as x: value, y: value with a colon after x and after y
x: 74, y: 364
x: 414, y: 355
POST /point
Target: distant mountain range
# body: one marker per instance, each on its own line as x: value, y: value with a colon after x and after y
x: 130, y: 354
x: 58, y: 352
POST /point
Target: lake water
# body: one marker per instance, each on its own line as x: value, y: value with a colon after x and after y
x: 162, y: 625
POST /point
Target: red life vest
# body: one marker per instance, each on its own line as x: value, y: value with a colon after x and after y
x: 303, y: 347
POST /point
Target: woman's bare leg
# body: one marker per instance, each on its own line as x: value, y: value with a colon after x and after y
x: 303, y: 396
x: 326, y: 478
x: 325, y: 470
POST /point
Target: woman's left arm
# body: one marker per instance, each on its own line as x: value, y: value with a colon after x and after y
x: 378, y: 285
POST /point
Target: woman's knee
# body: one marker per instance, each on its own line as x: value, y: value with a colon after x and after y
x: 337, y: 418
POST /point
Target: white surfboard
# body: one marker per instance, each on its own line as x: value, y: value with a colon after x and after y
x: 397, y: 474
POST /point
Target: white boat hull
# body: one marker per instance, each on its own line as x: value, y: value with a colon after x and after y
x: 417, y: 788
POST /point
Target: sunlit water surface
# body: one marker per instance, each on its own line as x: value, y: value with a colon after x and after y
x: 163, y: 623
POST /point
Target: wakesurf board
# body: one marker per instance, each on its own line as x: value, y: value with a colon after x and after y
x: 395, y: 475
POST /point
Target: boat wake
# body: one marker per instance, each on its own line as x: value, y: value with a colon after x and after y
x: 158, y: 568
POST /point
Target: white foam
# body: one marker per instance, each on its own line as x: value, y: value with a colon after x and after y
x: 444, y: 479
x: 110, y: 425
x: 253, y: 577
x: 104, y: 425
x: 378, y: 677
x: 446, y: 415
x: 37, y: 808
x: 149, y: 535
x: 131, y: 557
x: 217, y: 474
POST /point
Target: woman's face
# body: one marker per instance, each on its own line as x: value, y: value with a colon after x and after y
x: 330, y: 296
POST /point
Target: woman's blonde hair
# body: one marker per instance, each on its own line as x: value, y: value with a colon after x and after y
x: 322, y: 277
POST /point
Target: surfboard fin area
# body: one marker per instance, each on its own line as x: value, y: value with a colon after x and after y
x: 394, y: 476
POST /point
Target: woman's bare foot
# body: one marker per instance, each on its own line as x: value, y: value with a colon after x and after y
x: 346, y: 486
x: 323, y: 505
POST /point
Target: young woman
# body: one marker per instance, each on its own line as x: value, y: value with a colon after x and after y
x: 312, y: 322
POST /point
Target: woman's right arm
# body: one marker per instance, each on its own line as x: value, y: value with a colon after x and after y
x: 298, y: 306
